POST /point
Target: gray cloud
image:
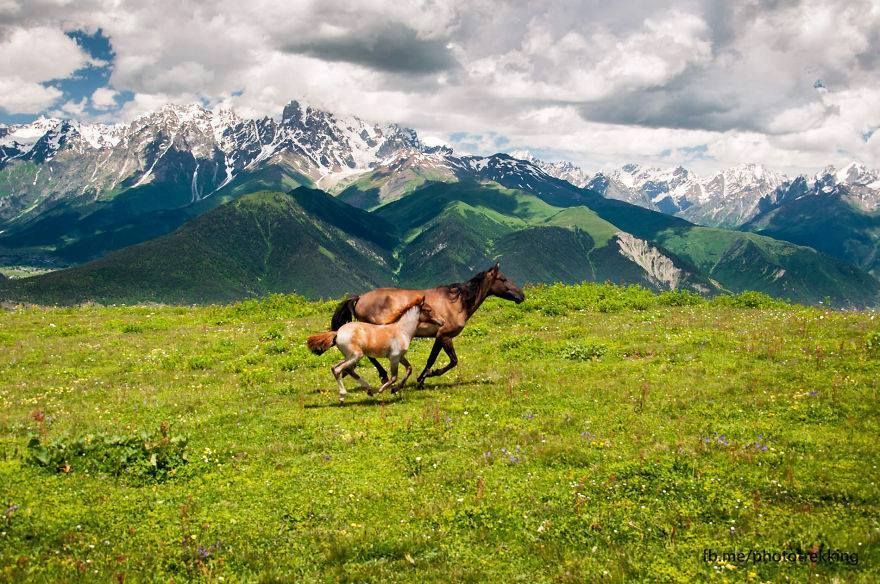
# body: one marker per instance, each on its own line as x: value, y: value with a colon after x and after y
x: 678, y: 108
x: 391, y: 47
x: 747, y: 85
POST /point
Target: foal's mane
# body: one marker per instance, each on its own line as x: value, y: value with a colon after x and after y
x: 468, y: 292
x: 402, y: 311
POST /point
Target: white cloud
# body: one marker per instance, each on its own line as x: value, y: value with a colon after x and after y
x: 40, y: 54
x: 569, y: 66
x: 20, y: 96
x: 603, y: 84
x: 32, y: 56
x: 104, y: 98
x: 72, y: 109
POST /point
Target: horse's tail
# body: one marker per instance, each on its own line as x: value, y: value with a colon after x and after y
x: 344, y: 312
x: 321, y: 342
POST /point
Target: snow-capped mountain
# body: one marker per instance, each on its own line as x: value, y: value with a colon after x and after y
x: 728, y: 198
x: 396, y: 178
x: 564, y: 170
x: 862, y: 184
x: 194, y: 150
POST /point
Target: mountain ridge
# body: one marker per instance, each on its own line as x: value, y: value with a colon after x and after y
x: 729, y: 198
x: 406, y: 202
x: 309, y: 242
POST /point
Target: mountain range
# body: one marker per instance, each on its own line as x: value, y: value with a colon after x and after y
x: 730, y: 198
x: 836, y: 211
x: 191, y: 205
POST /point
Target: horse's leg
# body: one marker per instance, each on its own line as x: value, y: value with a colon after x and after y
x: 400, y: 385
x: 435, y: 350
x: 359, y: 379
x: 395, y: 359
x: 383, y: 375
x: 338, y: 370
x: 453, y: 359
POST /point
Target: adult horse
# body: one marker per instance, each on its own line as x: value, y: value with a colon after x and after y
x: 453, y: 303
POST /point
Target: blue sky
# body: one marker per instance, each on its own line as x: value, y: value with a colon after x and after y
x: 85, y: 81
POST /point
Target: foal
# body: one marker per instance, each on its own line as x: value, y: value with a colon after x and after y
x: 357, y: 339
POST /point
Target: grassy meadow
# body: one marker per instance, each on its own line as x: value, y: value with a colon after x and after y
x: 591, y: 433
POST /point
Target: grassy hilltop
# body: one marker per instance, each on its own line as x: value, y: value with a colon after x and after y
x: 593, y: 431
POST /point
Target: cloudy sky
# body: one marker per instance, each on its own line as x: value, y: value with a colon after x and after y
x: 794, y: 85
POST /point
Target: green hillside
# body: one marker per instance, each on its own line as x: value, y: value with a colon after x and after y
x: 317, y: 245
x: 453, y: 229
x: 591, y: 433
x: 745, y: 261
x: 532, y: 255
x: 78, y: 230
x: 261, y: 243
x: 826, y: 223
x: 719, y: 259
x: 737, y: 261
x: 508, y: 206
x: 392, y: 182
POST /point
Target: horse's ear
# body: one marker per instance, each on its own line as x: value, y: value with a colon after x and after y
x: 495, y: 269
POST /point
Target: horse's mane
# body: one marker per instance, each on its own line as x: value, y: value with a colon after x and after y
x: 468, y: 292
x: 402, y: 311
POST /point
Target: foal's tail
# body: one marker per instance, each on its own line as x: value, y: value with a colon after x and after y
x: 321, y: 342
x: 344, y: 312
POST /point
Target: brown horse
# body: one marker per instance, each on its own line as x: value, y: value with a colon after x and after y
x: 452, y: 303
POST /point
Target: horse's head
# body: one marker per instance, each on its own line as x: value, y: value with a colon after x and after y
x: 501, y: 287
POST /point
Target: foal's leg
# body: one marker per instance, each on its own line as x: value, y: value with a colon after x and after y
x: 435, y: 350
x: 351, y: 371
x: 395, y: 359
x: 400, y: 385
x: 383, y: 375
x: 338, y: 372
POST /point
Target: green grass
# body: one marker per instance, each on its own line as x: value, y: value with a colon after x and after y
x: 586, y: 219
x: 592, y: 431
x: 23, y: 271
